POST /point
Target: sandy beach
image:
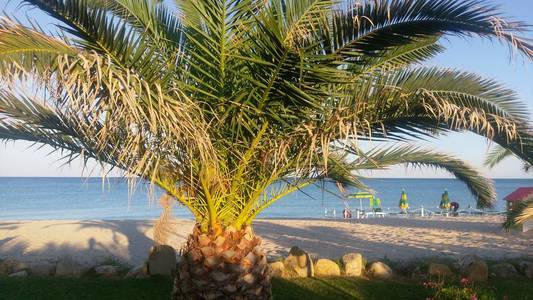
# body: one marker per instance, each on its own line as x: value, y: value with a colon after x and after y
x: 394, y: 238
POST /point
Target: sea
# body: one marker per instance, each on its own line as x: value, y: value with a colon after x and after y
x: 46, y: 198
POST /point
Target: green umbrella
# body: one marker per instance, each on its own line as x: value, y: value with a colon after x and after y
x: 404, y: 204
x: 376, y: 204
x: 361, y: 196
x: 445, y: 200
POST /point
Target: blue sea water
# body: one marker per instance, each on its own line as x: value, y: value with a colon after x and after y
x: 91, y: 198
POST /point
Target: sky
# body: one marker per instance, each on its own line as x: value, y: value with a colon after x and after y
x: 487, y: 58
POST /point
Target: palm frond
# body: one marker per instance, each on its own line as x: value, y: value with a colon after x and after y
x: 147, y: 16
x: 33, y: 51
x: 95, y: 30
x: 426, y: 101
x: 365, y: 29
x: 398, y: 57
x: 496, y: 155
x: 302, y: 18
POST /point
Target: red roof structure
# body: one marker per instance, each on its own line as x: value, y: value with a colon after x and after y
x: 520, y: 194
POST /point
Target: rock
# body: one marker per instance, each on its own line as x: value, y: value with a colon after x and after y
x: 526, y: 268
x: 310, y: 266
x: 67, y: 267
x: 474, y: 268
x: 22, y: 273
x: 107, y: 270
x: 297, y: 257
x: 10, y: 266
x: 42, y: 269
x: 354, y: 264
x: 504, y: 270
x: 326, y: 267
x: 439, y: 270
x: 298, y: 264
x: 141, y: 271
x: 162, y: 260
x: 380, y: 270
x: 292, y: 271
x: 277, y: 268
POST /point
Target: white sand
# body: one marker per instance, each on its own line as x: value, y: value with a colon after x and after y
x: 395, y: 238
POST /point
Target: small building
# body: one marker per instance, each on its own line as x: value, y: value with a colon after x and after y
x: 519, y: 195
x: 514, y: 198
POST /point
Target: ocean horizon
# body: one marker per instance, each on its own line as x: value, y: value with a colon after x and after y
x: 83, y: 198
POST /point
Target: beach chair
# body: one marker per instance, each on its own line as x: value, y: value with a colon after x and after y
x: 330, y: 213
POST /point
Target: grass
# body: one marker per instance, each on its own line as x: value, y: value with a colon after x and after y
x: 159, y: 288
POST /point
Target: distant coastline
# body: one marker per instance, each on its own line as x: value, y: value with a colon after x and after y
x: 82, y: 198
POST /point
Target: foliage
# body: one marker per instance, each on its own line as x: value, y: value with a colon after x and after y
x: 305, y: 288
x: 467, y: 290
x: 498, y: 153
x: 522, y: 212
x: 217, y: 100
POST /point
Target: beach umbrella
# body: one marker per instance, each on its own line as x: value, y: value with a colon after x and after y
x: 376, y: 204
x: 445, y: 200
x: 404, y: 204
x: 361, y: 196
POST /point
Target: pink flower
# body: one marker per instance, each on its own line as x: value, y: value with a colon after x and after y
x: 465, y: 281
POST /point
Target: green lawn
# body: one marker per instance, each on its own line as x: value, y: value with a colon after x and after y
x: 308, y: 289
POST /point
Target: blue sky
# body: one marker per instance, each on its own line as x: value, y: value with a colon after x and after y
x: 485, y: 57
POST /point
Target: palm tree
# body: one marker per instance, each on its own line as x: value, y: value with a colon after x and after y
x: 216, y: 100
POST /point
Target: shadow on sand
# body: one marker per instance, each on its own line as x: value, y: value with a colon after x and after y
x: 86, y: 241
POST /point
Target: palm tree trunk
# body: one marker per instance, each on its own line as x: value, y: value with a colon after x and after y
x: 227, y: 265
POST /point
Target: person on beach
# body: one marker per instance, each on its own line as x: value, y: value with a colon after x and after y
x: 347, y: 214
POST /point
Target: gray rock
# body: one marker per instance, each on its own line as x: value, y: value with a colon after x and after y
x: 310, y: 266
x: 354, y: 264
x: 439, y: 270
x: 326, y: 268
x: 504, y: 270
x: 141, y: 271
x: 68, y: 267
x: 22, y: 273
x: 107, y: 270
x: 474, y: 268
x: 380, y: 270
x: 526, y: 268
x: 42, y: 269
x: 162, y: 260
x: 298, y: 264
x: 297, y: 257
